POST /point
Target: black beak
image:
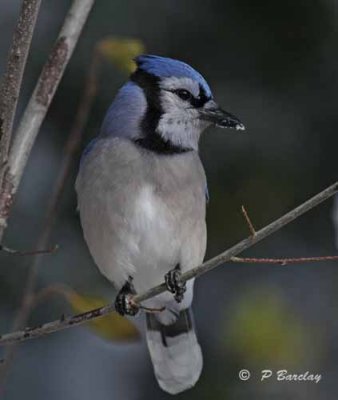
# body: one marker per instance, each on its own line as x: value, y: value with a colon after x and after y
x: 221, y: 118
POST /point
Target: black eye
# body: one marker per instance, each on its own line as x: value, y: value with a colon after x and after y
x: 183, y: 94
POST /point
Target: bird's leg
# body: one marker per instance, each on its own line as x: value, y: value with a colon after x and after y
x: 175, y: 284
x: 123, y: 302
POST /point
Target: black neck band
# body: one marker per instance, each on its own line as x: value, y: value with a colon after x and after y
x: 157, y: 144
x: 151, y: 139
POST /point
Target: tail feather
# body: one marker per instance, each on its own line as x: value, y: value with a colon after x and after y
x: 175, y: 352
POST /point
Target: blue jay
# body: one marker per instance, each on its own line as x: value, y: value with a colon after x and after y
x: 142, y: 197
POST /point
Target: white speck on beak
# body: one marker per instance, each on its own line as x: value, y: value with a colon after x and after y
x: 240, y: 127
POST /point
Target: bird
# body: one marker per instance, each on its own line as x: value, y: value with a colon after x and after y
x: 142, y: 194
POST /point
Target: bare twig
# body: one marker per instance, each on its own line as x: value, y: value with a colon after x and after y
x: 28, y: 252
x: 248, y: 221
x: 11, y: 81
x: 39, y: 103
x: 63, y: 323
x: 282, y: 261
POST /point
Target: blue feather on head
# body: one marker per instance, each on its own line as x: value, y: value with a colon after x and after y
x: 164, y: 67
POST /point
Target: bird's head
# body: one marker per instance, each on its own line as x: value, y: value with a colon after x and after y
x: 175, y: 104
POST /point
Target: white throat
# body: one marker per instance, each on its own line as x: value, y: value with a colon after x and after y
x: 182, y: 131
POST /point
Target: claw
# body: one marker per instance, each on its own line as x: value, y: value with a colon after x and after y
x: 175, y: 284
x: 124, y: 303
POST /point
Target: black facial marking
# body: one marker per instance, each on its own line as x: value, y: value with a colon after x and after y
x: 200, y: 100
x: 196, y: 102
x: 150, y: 85
x: 151, y: 139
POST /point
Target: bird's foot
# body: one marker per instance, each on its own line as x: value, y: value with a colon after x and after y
x: 175, y: 284
x: 124, y: 303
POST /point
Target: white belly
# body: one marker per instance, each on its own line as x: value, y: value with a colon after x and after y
x: 149, y: 242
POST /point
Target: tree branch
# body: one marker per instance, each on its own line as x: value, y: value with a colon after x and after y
x: 282, y: 261
x: 38, y: 105
x: 63, y: 323
x: 12, y: 79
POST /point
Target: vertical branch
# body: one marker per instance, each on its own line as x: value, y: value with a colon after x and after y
x: 12, y: 79
x: 16, y: 62
x: 25, y: 137
x: 39, y: 103
x: 71, y: 147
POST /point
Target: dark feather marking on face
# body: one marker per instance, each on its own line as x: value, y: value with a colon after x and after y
x: 151, y: 139
x: 201, y: 99
x: 196, y: 102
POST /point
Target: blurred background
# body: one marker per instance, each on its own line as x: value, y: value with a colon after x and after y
x: 274, y: 65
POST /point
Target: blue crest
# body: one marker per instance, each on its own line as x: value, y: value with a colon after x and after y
x: 166, y: 67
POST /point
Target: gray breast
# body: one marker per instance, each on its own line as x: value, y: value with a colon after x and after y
x: 141, y: 211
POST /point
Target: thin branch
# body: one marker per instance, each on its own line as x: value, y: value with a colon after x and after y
x: 63, y: 323
x: 248, y: 221
x: 28, y: 252
x: 12, y: 79
x: 282, y: 261
x: 38, y: 105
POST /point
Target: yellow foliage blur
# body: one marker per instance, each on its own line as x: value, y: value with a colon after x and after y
x: 121, y: 51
